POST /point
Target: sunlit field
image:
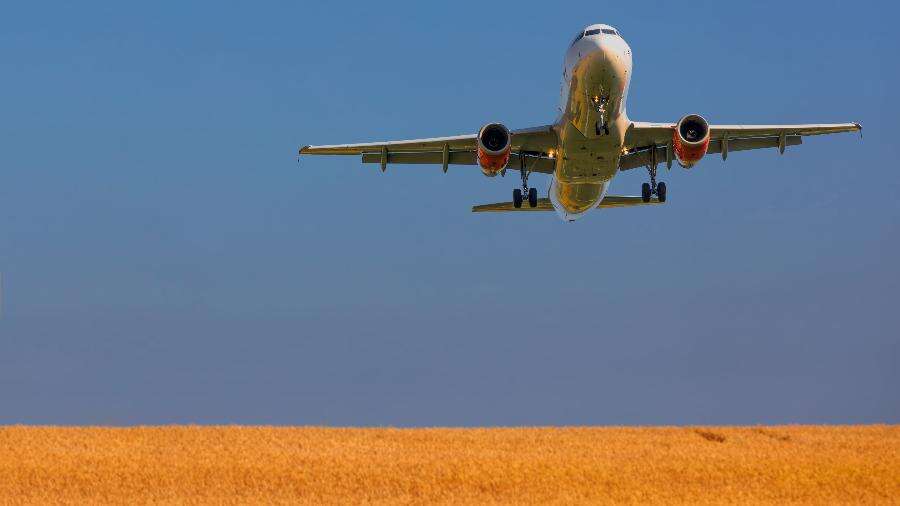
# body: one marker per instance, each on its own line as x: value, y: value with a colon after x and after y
x: 189, y: 464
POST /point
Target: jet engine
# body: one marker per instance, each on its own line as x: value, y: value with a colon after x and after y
x: 690, y: 140
x: 494, y: 146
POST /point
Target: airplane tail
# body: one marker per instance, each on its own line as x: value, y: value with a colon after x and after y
x: 546, y: 205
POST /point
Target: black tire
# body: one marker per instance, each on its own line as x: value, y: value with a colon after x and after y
x: 661, y: 191
x: 645, y: 192
x: 532, y: 197
x: 517, y: 198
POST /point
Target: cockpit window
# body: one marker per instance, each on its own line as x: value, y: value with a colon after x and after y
x: 595, y: 31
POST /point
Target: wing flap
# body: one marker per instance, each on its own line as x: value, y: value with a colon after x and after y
x: 533, y: 164
x: 424, y: 158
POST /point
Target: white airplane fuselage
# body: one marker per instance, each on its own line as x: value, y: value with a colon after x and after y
x: 592, y: 121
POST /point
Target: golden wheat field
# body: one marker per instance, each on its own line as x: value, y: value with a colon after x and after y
x: 192, y: 464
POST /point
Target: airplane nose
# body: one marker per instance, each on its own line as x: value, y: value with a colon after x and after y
x: 601, y: 52
x: 609, y: 50
x: 608, y: 58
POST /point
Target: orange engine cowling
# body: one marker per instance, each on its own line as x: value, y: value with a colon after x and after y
x: 494, y: 147
x: 690, y: 140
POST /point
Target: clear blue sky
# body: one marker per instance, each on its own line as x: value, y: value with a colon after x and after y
x: 165, y: 259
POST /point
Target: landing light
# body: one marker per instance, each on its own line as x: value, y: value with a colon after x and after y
x: 551, y: 154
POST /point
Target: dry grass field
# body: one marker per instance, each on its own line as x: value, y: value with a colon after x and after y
x: 189, y: 464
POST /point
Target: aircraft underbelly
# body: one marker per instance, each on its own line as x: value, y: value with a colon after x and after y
x: 584, y: 172
x: 587, y: 160
x: 592, y: 127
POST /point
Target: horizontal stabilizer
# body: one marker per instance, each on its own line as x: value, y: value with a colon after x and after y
x: 502, y: 207
x: 546, y: 205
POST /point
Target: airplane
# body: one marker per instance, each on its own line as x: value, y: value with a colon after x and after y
x: 591, y: 141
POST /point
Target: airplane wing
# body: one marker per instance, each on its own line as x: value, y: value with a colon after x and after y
x: 454, y: 150
x: 647, y: 142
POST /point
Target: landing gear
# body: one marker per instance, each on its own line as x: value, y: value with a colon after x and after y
x: 646, y: 192
x: 601, y: 128
x: 653, y: 188
x: 531, y: 193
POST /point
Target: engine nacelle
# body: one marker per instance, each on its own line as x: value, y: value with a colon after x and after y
x: 690, y: 140
x: 494, y: 147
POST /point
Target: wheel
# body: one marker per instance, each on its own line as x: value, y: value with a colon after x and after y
x: 661, y: 191
x: 532, y: 197
x: 517, y: 198
x: 645, y: 192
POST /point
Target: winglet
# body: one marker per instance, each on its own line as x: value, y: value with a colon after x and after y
x: 859, y: 127
x: 300, y: 152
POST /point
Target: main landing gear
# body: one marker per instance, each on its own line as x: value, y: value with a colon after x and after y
x: 653, y: 188
x: 531, y: 193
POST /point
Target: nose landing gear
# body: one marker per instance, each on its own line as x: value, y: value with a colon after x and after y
x: 531, y: 193
x: 601, y: 127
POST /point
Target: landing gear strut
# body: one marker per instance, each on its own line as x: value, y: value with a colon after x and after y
x: 531, y: 193
x: 653, y: 188
x: 601, y: 127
